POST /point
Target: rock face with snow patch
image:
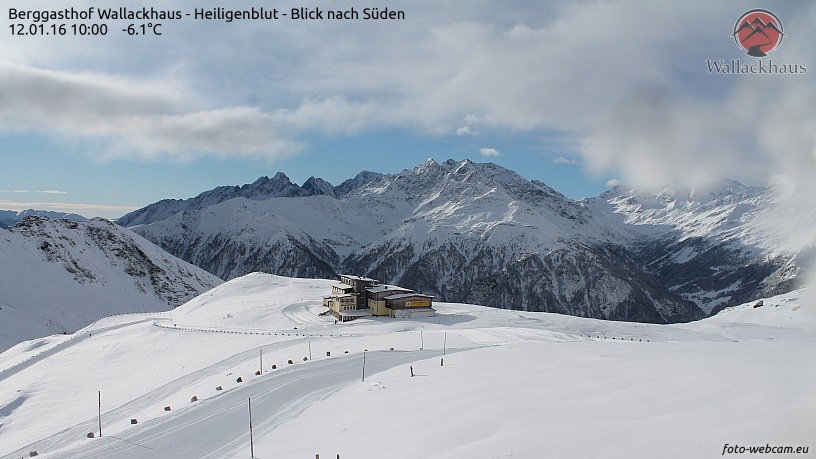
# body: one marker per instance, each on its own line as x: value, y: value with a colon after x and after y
x: 481, y: 233
x: 59, y: 275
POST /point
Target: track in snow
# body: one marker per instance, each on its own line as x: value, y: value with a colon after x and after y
x: 76, y: 338
x: 219, y: 424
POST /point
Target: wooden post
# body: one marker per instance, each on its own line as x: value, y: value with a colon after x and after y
x: 100, y: 413
x: 251, y: 442
x: 364, y: 353
x: 421, y: 340
x: 444, y: 348
x: 310, y: 350
x: 412, y: 371
x: 261, y: 369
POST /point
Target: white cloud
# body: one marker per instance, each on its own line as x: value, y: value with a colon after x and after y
x: 562, y: 160
x: 35, y: 191
x: 84, y: 209
x: 464, y: 130
x: 612, y: 183
x: 489, y: 152
x: 134, y: 117
x: 633, y: 108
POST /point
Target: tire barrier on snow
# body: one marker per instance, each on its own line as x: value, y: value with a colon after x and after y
x: 90, y: 435
x: 239, y: 380
x: 305, y: 359
x: 257, y: 372
x: 291, y: 362
x: 194, y: 399
x: 219, y: 388
x: 167, y: 408
x: 175, y: 327
x: 274, y: 367
x: 133, y: 421
x: 328, y: 354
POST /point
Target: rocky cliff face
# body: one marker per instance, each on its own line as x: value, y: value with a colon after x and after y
x: 481, y: 233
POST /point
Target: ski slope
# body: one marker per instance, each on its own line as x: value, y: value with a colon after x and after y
x: 513, y: 384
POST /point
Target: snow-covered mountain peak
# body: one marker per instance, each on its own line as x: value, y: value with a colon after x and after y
x: 468, y: 231
x: 720, y: 192
x: 713, y: 211
x: 315, y: 186
x: 426, y: 165
x: 360, y: 180
x: 264, y: 187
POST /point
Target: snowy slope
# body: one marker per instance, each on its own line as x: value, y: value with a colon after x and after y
x: 513, y: 384
x: 459, y: 230
x: 710, y: 246
x: 58, y: 276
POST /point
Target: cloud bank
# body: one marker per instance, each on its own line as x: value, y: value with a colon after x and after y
x: 635, y: 99
x: 84, y: 209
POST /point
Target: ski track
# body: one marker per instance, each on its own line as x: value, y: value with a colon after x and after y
x: 65, y: 437
x: 76, y: 338
x: 276, y: 398
x: 297, y: 314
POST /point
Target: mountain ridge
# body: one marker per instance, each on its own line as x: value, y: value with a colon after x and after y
x: 479, y: 232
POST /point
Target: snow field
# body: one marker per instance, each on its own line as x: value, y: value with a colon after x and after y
x: 573, y: 400
x: 514, y: 384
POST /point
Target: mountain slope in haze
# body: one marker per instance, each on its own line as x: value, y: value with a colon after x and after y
x: 709, y: 246
x: 261, y: 189
x: 481, y: 233
x: 58, y: 276
x: 9, y: 218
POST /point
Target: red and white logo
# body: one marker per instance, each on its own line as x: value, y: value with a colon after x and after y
x: 758, y: 32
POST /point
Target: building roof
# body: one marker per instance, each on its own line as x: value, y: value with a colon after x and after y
x: 343, y: 286
x: 407, y: 295
x: 387, y: 288
x: 358, y: 278
x: 345, y: 295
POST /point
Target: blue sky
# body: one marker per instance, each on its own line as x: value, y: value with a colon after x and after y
x: 36, y: 163
x: 570, y: 93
